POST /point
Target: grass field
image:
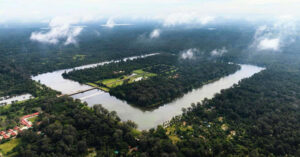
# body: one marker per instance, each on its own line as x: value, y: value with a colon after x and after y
x: 33, y: 119
x: 114, y: 82
x: 142, y: 73
x: 100, y: 87
x: 135, y: 76
x: 9, y: 146
x: 79, y: 57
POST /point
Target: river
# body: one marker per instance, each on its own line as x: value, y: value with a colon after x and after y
x: 55, y: 80
x: 144, y: 119
x: 10, y: 100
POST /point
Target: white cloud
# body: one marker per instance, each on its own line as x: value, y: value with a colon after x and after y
x: 206, y: 19
x: 273, y: 37
x: 269, y: 44
x: 155, y: 33
x: 186, y: 18
x: 189, y: 54
x: 72, y: 36
x: 38, y: 10
x: 218, y: 52
x: 177, y: 18
x: 211, y: 28
x: 60, y: 29
x: 110, y: 23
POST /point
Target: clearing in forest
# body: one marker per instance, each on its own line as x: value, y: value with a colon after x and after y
x: 136, y: 75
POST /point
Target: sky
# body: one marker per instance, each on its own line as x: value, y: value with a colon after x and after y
x: 65, y: 18
x: 87, y: 10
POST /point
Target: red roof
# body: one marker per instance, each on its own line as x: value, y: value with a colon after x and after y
x: 14, y: 134
x: 25, y: 122
x: 5, y: 136
x: 30, y: 115
x: 2, y: 133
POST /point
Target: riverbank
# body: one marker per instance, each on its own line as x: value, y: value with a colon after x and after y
x: 14, y: 99
x: 144, y: 119
x: 55, y: 80
x: 152, y: 118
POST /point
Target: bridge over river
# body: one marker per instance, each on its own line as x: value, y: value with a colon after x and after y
x: 78, y: 92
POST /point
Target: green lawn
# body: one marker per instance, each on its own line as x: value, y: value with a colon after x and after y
x: 139, y: 71
x: 114, y: 82
x: 100, y: 87
x: 9, y: 145
x: 33, y: 119
x: 79, y: 57
x: 143, y: 73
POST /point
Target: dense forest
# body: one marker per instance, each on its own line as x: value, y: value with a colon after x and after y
x: 162, y: 89
x: 14, y: 81
x: 258, y: 117
x: 69, y: 128
x: 23, y: 57
x: 113, y: 70
x: 175, y: 76
x: 16, y: 46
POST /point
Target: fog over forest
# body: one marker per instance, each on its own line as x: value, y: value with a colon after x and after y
x: 149, y: 78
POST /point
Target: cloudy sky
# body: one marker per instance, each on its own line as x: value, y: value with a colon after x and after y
x: 43, y: 10
x: 65, y: 17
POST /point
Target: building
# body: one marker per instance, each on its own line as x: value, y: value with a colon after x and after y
x: 2, y: 133
x: 16, y: 128
x: 24, y: 119
x: 6, y: 136
x: 24, y: 128
x: 14, y: 132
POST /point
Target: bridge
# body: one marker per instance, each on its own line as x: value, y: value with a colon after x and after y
x: 77, y: 92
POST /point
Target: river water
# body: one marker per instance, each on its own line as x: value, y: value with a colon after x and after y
x: 10, y: 100
x: 144, y: 119
x: 55, y: 80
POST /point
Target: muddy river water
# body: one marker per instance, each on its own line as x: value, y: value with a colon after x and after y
x: 144, y: 119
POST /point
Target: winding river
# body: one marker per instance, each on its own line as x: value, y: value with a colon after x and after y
x: 55, y: 80
x: 144, y: 119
